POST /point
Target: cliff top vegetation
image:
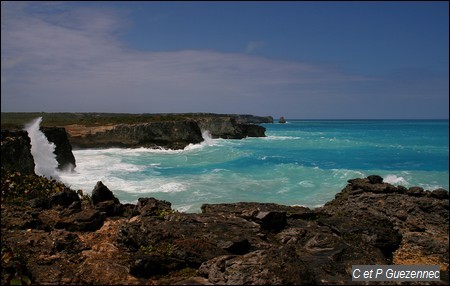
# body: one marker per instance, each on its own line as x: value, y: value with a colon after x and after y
x: 17, y: 120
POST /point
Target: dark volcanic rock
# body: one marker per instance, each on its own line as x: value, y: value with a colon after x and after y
x: 101, y: 193
x: 63, y: 148
x: 166, y: 134
x: 368, y: 223
x: 65, y: 198
x: 229, y: 128
x: 16, y: 151
x: 283, y: 266
x: 86, y: 220
x: 282, y: 120
x: 152, y: 206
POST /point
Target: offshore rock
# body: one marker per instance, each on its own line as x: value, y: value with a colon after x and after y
x: 16, y: 151
x: 368, y: 223
x: 282, y: 120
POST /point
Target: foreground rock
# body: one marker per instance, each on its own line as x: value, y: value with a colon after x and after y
x: 16, y: 151
x: 100, y: 241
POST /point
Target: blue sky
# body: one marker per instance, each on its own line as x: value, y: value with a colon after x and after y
x: 312, y: 60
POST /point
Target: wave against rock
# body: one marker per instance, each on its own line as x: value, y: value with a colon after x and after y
x: 166, y: 134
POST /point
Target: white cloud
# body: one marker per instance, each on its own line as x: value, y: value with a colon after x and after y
x: 72, y: 61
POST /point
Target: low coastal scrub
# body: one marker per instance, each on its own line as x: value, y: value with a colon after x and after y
x: 16, y: 120
x: 19, y: 188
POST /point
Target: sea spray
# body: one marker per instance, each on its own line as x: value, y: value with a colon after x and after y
x: 42, y: 151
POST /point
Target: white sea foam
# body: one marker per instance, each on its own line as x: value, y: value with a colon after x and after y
x: 276, y: 137
x: 394, y: 180
x: 306, y: 184
x: 42, y: 151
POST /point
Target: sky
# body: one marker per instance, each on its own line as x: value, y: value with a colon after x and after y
x: 305, y: 60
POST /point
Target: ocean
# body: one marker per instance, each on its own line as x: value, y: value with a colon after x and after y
x: 301, y: 162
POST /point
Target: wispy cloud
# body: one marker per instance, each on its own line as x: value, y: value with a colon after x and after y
x: 58, y: 59
x: 254, y: 45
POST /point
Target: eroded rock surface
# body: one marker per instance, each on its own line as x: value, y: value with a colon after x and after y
x: 369, y: 222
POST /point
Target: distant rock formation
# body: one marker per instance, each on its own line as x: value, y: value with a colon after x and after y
x: 251, y: 119
x: 167, y: 134
x: 281, y: 120
x: 228, y: 128
x: 16, y: 151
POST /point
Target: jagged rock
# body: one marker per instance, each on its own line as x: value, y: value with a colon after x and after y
x: 280, y: 267
x: 101, y: 193
x: 16, y: 151
x: 375, y: 179
x: 282, y: 120
x: 86, y: 220
x: 251, y: 130
x: 152, y: 206
x: 440, y: 194
x: 272, y: 220
x: 110, y: 208
x: 368, y: 223
x: 64, y: 198
x: 63, y: 148
x: 146, y: 266
x: 240, y: 246
x: 167, y: 134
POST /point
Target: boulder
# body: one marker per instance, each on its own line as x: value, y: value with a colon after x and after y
x: 152, y: 206
x: 282, y: 120
x: 101, y: 193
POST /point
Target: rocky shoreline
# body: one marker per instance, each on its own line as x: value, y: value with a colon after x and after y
x: 170, y: 132
x: 65, y: 237
x: 51, y: 234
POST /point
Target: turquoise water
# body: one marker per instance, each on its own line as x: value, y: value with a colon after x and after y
x: 302, y: 162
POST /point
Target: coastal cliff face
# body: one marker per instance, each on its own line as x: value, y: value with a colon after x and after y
x: 16, y: 151
x: 166, y: 134
x: 98, y: 240
x: 229, y: 128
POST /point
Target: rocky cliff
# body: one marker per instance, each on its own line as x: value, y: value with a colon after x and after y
x: 166, y: 134
x: 229, y: 128
x: 60, y: 238
x: 16, y: 151
x: 63, y: 148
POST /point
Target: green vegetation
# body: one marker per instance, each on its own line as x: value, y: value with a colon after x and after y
x: 18, y: 188
x: 12, y: 120
x: 164, y: 249
x: 162, y: 213
x: 14, y: 270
